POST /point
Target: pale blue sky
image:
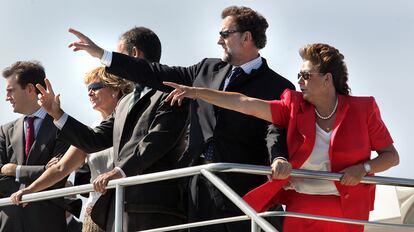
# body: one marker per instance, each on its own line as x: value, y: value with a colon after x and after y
x: 375, y: 36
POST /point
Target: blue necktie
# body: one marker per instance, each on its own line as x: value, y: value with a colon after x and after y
x: 234, y: 73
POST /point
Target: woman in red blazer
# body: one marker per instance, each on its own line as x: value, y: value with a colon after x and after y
x: 327, y: 130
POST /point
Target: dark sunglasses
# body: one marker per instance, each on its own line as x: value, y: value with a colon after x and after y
x: 96, y: 86
x: 227, y: 33
x: 306, y: 75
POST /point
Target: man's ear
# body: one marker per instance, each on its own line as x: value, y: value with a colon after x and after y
x: 137, y: 53
x: 30, y: 88
x: 247, y: 37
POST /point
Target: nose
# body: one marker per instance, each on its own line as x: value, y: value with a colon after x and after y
x: 8, y: 97
x: 301, y: 81
x: 220, y: 41
x: 91, y: 92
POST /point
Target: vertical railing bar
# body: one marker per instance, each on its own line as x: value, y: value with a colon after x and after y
x: 119, y: 207
x: 238, y: 201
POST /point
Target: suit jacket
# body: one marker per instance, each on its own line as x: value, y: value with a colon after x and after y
x: 237, y: 138
x: 358, y: 130
x: 74, y: 225
x: 147, y: 139
x: 45, y: 147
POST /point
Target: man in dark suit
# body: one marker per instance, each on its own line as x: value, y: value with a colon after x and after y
x: 26, y: 146
x: 216, y: 135
x: 147, y: 135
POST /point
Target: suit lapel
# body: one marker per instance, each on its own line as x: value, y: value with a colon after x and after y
x: 17, y: 141
x: 45, y: 134
x: 343, y: 107
x: 121, y: 115
x: 126, y: 116
x: 307, y: 128
x: 218, y: 77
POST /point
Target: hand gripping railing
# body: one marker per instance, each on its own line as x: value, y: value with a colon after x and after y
x: 206, y: 170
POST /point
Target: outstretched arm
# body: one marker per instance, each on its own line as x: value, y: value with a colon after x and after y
x: 85, y: 44
x: 72, y: 159
x: 229, y: 100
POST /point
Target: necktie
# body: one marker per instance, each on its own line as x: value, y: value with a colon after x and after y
x: 137, y: 94
x: 234, y: 73
x: 30, y: 135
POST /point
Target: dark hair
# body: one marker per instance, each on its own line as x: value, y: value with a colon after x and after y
x: 27, y: 72
x: 145, y: 40
x: 328, y: 60
x: 249, y: 20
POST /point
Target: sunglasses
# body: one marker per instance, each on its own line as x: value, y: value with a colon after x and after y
x: 227, y: 33
x: 306, y: 75
x: 96, y: 86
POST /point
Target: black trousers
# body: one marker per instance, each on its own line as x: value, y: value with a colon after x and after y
x: 206, y: 202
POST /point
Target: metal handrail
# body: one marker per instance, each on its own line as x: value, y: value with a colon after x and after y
x: 220, y: 167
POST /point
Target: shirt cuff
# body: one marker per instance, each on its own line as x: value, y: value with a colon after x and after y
x: 120, y: 171
x: 106, y: 58
x: 18, y: 167
x: 279, y: 157
x: 61, y: 122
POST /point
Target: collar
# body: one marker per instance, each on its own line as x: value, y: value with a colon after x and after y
x: 40, y: 113
x: 253, y: 64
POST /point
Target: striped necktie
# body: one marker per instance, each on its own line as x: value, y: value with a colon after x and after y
x: 30, y: 135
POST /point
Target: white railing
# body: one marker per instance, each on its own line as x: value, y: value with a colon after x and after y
x: 206, y: 170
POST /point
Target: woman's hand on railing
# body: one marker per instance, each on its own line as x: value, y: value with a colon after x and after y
x: 353, y: 175
x: 281, y: 169
x: 16, y: 197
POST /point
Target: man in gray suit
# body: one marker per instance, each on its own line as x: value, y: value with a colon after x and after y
x: 26, y: 146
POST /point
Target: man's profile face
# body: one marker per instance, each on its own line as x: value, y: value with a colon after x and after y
x: 231, y: 44
x: 121, y: 48
x: 16, y: 95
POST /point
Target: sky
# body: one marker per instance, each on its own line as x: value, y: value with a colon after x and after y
x: 376, y: 37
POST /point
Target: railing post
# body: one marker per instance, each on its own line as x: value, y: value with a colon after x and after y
x: 119, y: 207
x: 255, y: 227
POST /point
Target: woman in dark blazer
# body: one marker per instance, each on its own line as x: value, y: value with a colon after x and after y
x: 327, y: 130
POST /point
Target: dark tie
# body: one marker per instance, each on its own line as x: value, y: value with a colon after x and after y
x: 30, y: 135
x: 234, y: 73
x: 137, y: 94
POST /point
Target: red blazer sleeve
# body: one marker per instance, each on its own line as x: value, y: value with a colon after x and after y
x: 280, y: 109
x: 378, y: 132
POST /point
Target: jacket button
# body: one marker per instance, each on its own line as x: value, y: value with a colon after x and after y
x: 346, y: 196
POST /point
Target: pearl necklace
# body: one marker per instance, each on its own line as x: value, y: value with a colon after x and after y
x: 330, y: 115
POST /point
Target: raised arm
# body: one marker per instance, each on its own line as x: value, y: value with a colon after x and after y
x: 85, y: 44
x: 72, y: 159
x: 229, y: 100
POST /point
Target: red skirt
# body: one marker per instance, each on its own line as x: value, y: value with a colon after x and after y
x: 323, y: 205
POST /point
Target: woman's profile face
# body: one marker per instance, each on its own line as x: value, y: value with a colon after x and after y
x: 102, y: 97
x: 310, y: 81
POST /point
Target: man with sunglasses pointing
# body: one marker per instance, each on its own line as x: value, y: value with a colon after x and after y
x: 216, y: 135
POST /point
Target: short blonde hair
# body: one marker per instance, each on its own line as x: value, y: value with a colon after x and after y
x: 110, y: 80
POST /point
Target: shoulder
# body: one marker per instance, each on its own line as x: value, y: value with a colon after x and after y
x: 7, y: 126
x: 292, y: 96
x: 273, y: 78
x: 211, y: 64
x: 360, y: 102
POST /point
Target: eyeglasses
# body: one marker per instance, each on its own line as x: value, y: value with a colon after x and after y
x: 96, y: 86
x: 306, y: 75
x: 227, y: 33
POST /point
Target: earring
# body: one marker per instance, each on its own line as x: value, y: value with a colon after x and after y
x: 113, y: 95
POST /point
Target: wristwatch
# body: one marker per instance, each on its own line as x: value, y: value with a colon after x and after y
x: 367, y: 167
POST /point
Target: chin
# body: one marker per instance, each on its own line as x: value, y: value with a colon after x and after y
x: 305, y: 96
